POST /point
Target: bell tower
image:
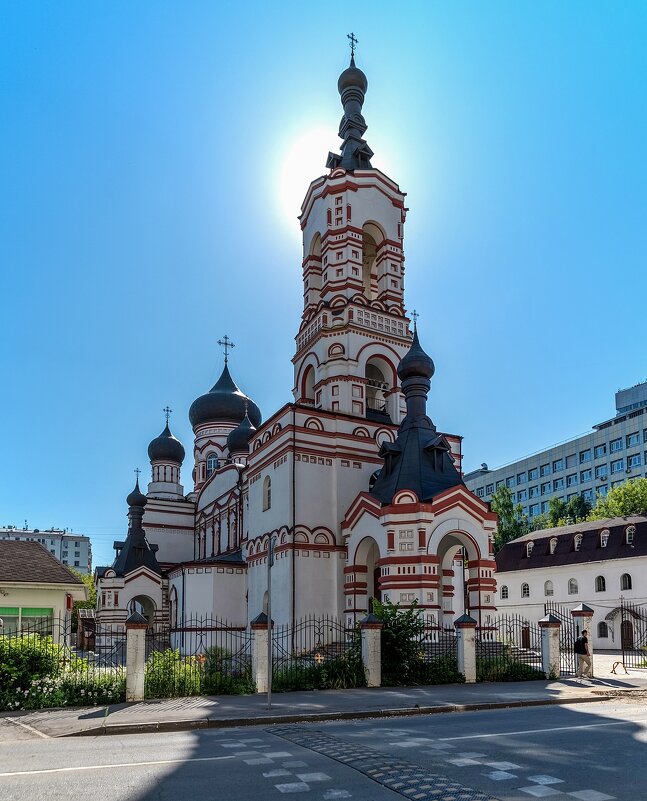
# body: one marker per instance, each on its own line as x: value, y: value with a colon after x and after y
x: 354, y: 330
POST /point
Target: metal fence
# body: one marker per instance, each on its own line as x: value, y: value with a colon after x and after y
x: 568, y: 633
x: 205, y: 656
x: 509, y: 650
x: 633, y: 634
x: 316, y: 653
x: 42, y: 667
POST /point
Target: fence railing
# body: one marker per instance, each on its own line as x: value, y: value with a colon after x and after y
x: 633, y: 634
x: 510, y: 649
x: 567, y: 635
x: 316, y: 653
x: 41, y: 666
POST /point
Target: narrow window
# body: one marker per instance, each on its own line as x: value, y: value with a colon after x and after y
x: 212, y: 464
x: 504, y: 592
x: 572, y: 586
x: 600, y: 584
x: 525, y: 590
x: 548, y: 588
x: 603, y: 630
x: 267, y: 493
x: 625, y: 581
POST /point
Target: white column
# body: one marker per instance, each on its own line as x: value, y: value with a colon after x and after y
x: 136, y: 626
x: 371, y: 628
x: 259, y: 652
x: 466, y: 642
x: 550, y: 654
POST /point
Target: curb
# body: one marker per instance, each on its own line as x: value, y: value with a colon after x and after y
x: 318, y: 717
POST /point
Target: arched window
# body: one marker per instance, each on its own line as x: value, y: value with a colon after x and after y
x: 631, y: 531
x: 376, y: 387
x: 548, y: 588
x: 525, y: 590
x: 212, y: 464
x: 267, y: 493
x: 504, y: 592
x: 604, y: 537
x: 308, y: 384
x: 572, y: 586
x: 553, y: 544
x: 369, y: 275
x: 600, y: 584
x: 577, y: 542
x: 603, y: 629
x: 625, y: 581
x: 529, y: 547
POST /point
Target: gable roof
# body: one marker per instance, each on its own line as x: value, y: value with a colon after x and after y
x: 513, y: 555
x: 31, y: 562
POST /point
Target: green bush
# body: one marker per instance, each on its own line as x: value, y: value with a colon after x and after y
x: 506, y: 670
x: 443, y: 670
x: 37, y: 673
x: 169, y: 675
x: 222, y: 676
x: 336, y: 674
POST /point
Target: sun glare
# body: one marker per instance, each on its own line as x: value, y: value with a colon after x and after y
x: 304, y: 160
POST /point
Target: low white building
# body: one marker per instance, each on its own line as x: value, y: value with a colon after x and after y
x: 596, y: 563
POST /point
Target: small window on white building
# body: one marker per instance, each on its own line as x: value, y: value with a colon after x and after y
x: 604, y: 537
x: 548, y: 588
x: 267, y: 493
x: 529, y: 547
x: 577, y: 542
x: 625, y: 581
x: 212, y: 464
x: 572, y: 586
x: 504, y: 592
x: 603, y: 630
x: 600, y: 584
x: 553, y: 544
x: 525, y: 590
x: 631, y: 532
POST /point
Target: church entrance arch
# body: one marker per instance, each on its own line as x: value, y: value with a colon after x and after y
x: 145, y: 606
x: 457, y: 553
x: 367, y: 570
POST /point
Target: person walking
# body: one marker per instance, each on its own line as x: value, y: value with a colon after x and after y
x: 581, y: 648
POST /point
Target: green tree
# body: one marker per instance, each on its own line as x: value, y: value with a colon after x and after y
x: 577, y: 509
x: 91, y: 602
x: 629, y: 498
x: 512, y: 521
x: 557, y: 511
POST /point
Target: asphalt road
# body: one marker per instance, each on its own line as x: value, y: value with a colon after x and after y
x: 589, y: 752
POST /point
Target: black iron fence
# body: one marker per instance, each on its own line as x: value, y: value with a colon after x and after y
x: 633, y: 634
x: 41, y: 666
x: 568, y: 633
x: 205, y: 656
x: 316, y: 653
x: 509, y: 650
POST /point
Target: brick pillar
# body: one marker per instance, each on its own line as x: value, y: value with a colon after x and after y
x: 550, y: 656
x: 260, y: 666
x: 136, y: 626
x: 466, y: 641
x: 583, y: 616
x: 371, y: 627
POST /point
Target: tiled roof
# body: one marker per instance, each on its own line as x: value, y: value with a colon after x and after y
x: 513, y: 556
x: 31, y: 562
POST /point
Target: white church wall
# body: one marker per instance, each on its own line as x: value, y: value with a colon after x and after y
x: 170, y: 525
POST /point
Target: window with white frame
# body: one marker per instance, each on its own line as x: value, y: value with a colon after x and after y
x: 615, y: 445
x: 577, y: 542
x: 604, y: 537
x: 630, y: 534
x: 548, y: 588
x: 212, y: 464
x: 572, y: 586
x: 529, y: 547
x: 553, y: 544
x: 618, y: 466
x: 633, y: 439
x: 504, y: 592
x: 633, y: 460
x: 625, y: 581
x: 600, y: 584
x: 599, y: 451
x: 525, y: 590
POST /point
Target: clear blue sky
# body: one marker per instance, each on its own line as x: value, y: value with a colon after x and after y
x: 149, y: 154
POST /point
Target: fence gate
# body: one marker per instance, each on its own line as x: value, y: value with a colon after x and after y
x: 316, y: 653
x: 633, y: 634
x: 567, y: 635
x: 503, y: 649
x: 205, y: 656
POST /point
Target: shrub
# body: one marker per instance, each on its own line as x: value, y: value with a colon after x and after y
x: 506, y: 670
x: 443, y: 670
x: 168, y: 675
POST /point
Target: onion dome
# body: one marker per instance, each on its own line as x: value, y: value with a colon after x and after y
x: 224, y: 403
x: 416, y: 362
x: 238, y: 439
x: 352, y: 77
x: 166, y: 448
x: 136, y: 498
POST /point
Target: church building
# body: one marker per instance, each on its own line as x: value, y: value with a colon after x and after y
x: 359, y: 492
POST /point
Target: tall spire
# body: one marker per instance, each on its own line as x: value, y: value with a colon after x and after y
x: 352, y: 86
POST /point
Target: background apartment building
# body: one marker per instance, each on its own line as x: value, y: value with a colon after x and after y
x: 612, y: 453
x: 73, y: 550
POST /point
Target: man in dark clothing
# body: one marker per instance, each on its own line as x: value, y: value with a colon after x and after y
x: 581, y: 648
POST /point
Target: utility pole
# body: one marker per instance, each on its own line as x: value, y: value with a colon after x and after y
x: 270, y: 562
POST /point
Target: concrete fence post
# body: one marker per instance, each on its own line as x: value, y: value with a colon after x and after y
x: 136, y: 626
x: 260, y: 666
x: 466, y: 644
x: 371, y: 629
x: 582, y: 617
x: 550, y: 654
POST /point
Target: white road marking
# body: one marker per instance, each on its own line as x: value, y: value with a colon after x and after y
x: 500, y: 775
x: 293, y: 787
x: 545, y: 779
x: 29, y: 728
x: 333, y: 794
x: 591, y: 795
x: 314, y: 777
x: 538, y: 731
x: 539, y: 791
x: 118, y: 765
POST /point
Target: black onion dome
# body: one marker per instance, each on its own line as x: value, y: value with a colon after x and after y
x: 416, y: 362
x: 223, y: 403
x: 136, y: 498
x: 352, y: 77
x: 238, y: 439
x: 166, y: 448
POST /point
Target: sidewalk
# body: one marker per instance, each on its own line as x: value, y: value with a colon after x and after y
x: 245, y: 710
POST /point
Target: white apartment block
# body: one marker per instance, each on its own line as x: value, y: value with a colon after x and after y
x: 615, y: 451
x: 73, y: 550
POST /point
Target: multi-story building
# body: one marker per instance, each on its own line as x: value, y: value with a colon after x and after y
x: 612, y: 453
x: 73, y: 550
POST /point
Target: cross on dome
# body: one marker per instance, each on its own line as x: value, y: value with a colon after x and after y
x: 167, y: 413
x: 227, y: 345
x: 353, y: 40
x: 137, y: 471
x: 415, y: 316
